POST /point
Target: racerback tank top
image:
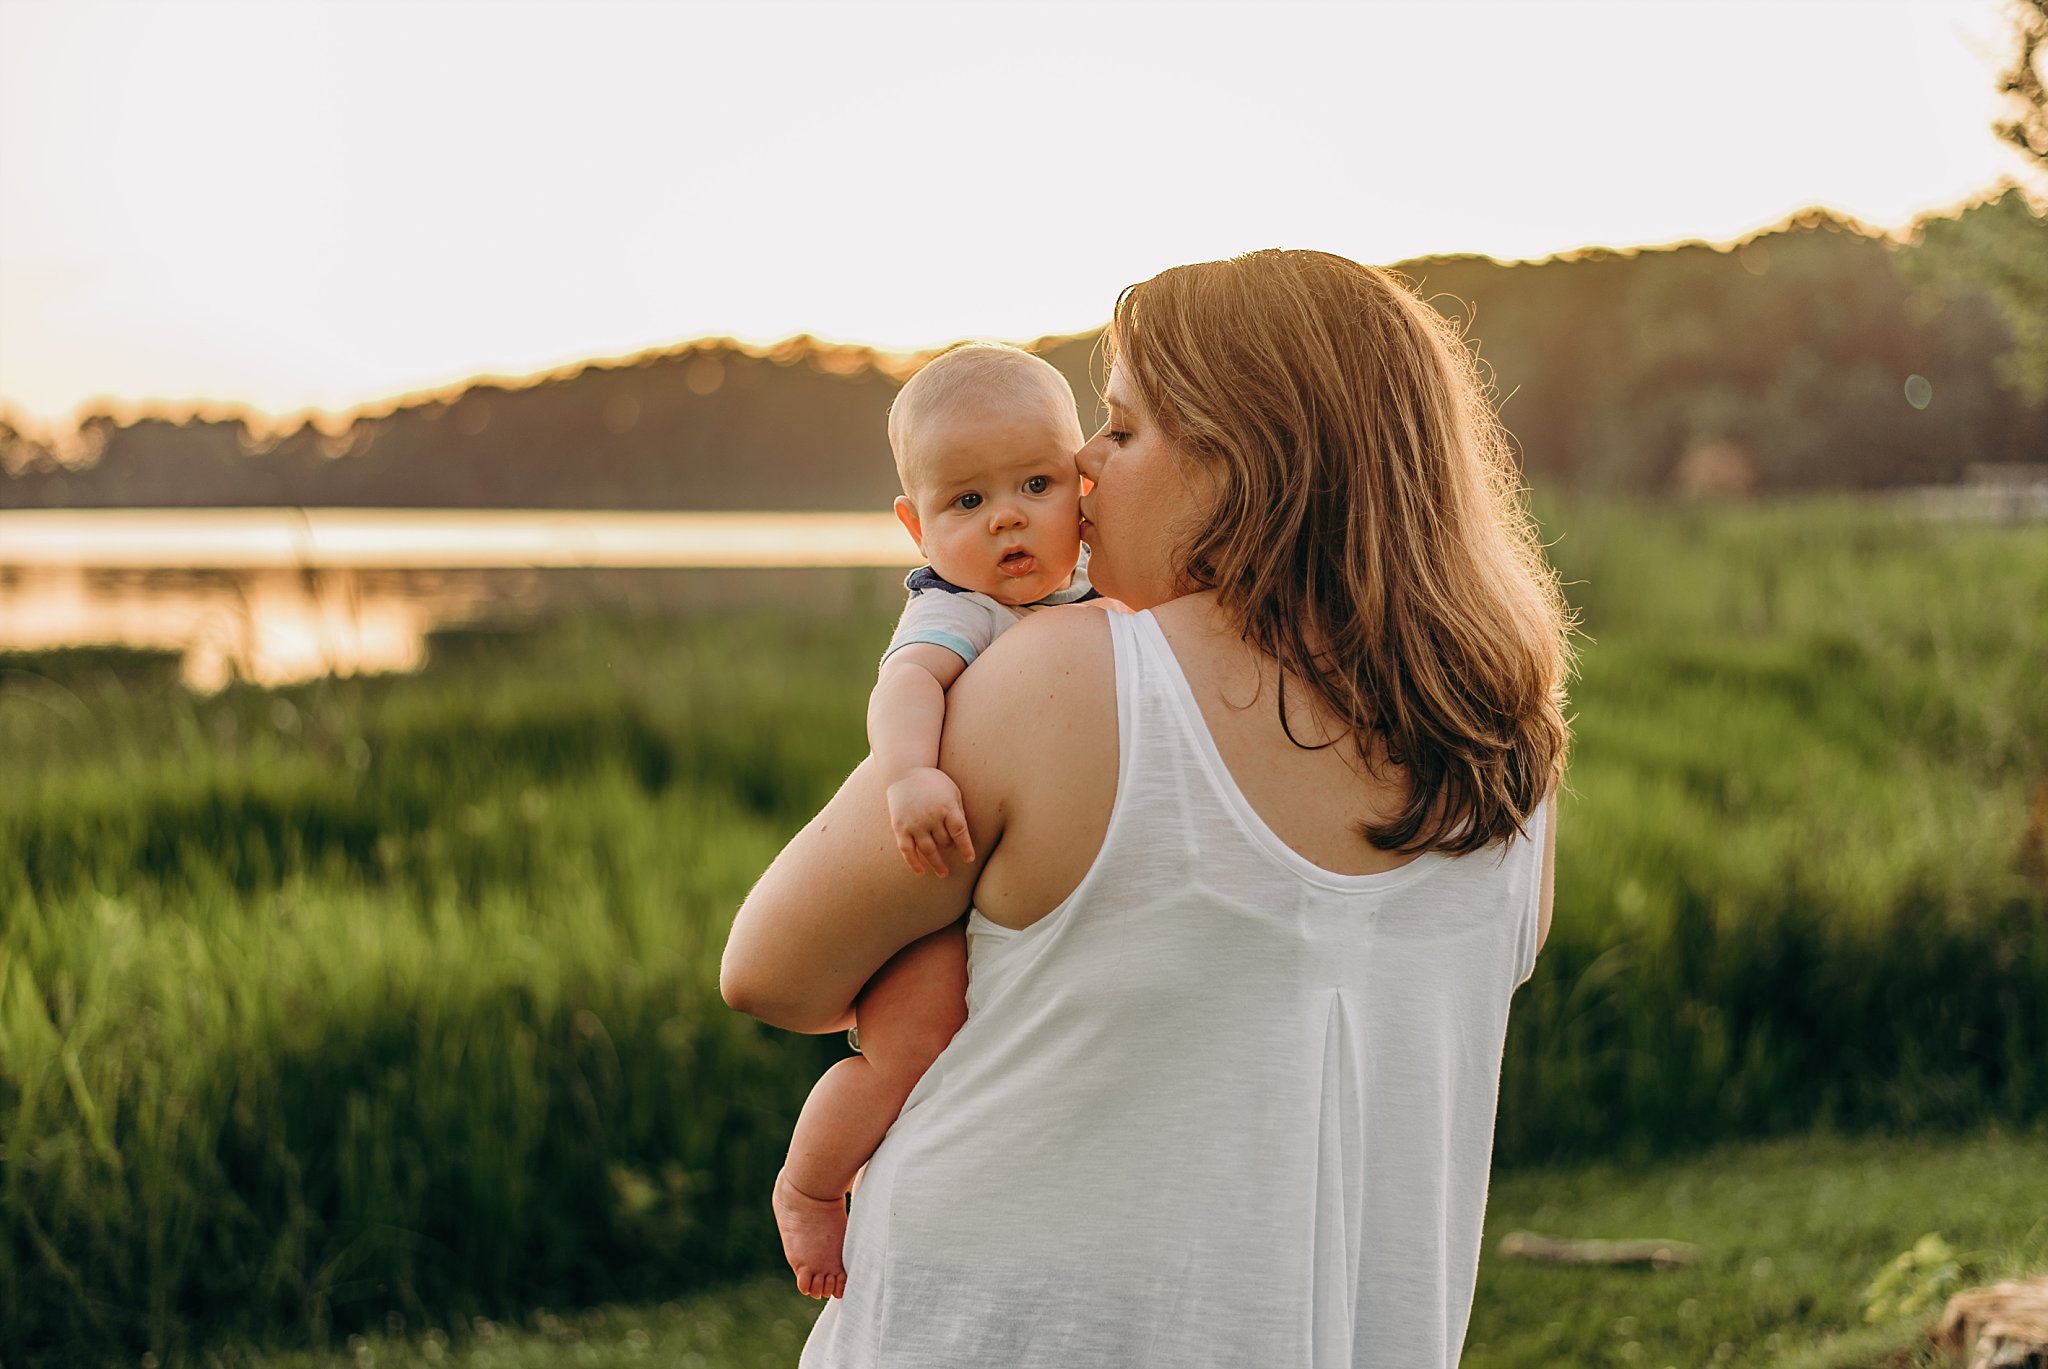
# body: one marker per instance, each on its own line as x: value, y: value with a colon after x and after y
x: 1220, y: 1107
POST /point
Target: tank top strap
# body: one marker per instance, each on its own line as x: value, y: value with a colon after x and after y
x: 1174, y: 775
x: 1151, y: 731
x: 1168, y: 793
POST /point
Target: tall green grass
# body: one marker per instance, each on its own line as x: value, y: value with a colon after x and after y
x: 1791, y: 885
x: 398, y: 995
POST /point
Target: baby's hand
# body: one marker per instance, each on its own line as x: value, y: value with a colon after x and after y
x: 925, y: 812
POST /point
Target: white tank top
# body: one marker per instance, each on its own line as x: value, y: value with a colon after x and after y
x: 1220, y: 1107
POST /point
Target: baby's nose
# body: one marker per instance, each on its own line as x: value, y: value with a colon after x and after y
x: 1006, y: 515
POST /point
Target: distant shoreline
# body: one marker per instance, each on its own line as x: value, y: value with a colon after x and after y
x: 422, y: 539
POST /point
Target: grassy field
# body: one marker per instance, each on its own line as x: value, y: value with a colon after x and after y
x: 1796, y: 880
x: 395, y: 997
x: 1791, y: 1235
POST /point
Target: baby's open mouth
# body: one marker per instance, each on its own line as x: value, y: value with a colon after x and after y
x: 1017, y: 564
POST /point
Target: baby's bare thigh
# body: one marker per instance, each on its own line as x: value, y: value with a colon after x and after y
x: 914, y: 1004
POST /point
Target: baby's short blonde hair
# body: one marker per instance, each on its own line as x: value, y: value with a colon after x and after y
x: 975, y: 373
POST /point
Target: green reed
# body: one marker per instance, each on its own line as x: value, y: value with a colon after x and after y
x: 395, y: 994
x: 1795, y: 880
x: 398, y: 995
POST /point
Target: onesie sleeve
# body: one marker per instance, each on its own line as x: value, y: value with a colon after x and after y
x: 957, y: 622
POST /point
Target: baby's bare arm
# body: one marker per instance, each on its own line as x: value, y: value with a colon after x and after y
x: 907, y: 711
x: 906, y: 715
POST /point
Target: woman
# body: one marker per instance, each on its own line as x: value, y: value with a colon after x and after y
x: 1264, y: 862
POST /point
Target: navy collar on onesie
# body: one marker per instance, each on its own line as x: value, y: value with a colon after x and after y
x: 924, y: 577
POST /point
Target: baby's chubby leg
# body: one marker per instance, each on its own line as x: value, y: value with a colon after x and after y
x: 907, y: 1014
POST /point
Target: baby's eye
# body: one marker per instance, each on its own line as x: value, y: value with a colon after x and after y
x: 969, y: 500
x: 1038, y: 484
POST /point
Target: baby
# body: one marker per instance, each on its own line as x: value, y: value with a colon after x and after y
x: 984, y: 438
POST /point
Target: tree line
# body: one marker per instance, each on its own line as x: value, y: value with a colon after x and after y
x: 1816, y: 355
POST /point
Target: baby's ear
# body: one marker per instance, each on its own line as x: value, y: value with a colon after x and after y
x: 906, y: 514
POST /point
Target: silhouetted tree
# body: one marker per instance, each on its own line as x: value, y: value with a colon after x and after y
x: 1815, y: 355
x: 1998, y: 250
x: 2001, y: 247
x: 2026, y: 128
x: 19, y: 452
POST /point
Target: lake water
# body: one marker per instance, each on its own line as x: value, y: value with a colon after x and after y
x: 276, y: 595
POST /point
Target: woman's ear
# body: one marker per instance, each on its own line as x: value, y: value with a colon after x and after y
x: 906, y: 514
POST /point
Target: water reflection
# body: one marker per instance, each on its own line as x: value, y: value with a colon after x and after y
x: 272, y: 596
x: 444, y: 538
x: 268, y: 626
x: 279, y: 626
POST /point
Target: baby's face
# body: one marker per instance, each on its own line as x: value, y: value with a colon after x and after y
x: 994, y: 501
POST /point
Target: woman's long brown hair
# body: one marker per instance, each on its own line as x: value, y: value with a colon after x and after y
x: 1369, y: 533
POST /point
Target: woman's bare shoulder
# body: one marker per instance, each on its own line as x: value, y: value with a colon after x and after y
x: 1031, y: 739
x: 1054, y: 654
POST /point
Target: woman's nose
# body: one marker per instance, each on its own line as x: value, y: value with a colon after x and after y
x: 1089, y: 460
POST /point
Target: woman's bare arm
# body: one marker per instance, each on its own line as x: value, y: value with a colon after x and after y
x: 1024, y: 734
x: 834, y: 906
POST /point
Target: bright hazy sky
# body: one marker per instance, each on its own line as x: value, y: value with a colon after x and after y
x: 298, y: 203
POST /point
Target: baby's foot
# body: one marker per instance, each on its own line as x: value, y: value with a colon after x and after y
x: 813, y: 1237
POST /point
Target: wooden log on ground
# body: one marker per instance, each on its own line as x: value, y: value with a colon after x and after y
x: 2004, y: 1326
x: 1628, y: 1254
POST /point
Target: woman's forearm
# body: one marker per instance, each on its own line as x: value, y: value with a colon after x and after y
x: 835, y: 905
x: 839, y: 900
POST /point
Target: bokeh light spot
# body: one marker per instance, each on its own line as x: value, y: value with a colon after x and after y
x: 704, y: 375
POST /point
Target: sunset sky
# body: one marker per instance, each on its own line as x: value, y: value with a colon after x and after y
x: 290, y: 203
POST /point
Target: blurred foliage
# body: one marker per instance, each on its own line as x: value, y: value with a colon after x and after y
x: 149, y: 670
x: 397, y: 995
x: 1791, y: 875
x: 760, y: 1324
x: 1793, y: 349
x: 2023, y: 85
x: 1915, y: 1284
x: 2001, y: 251
x: 712, y: 425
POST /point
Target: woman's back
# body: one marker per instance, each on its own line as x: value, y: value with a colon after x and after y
x: 1222, y: 1105
x: 1315, y: 798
